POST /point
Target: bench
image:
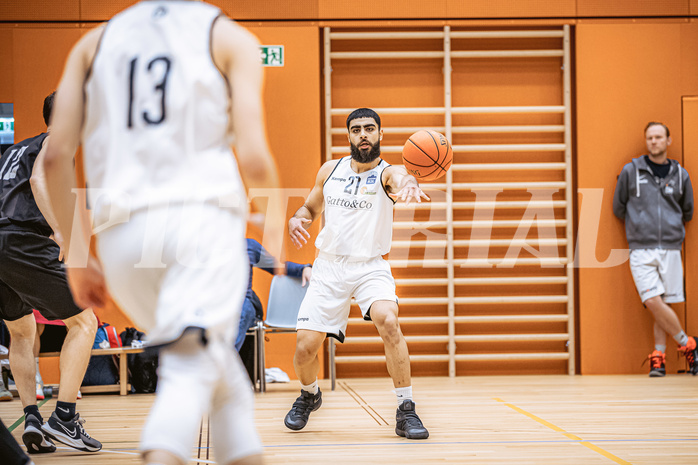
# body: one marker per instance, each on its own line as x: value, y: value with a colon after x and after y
x: 123, y: 387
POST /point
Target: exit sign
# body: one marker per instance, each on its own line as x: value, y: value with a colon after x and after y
x: 272, y: 55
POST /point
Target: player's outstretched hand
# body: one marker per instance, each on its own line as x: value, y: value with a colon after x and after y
x: 297, y: 232
x: 410, y: 192
x: 87, y: 285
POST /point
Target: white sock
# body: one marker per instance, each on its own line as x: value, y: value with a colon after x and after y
x: 403, y: 394
x: 660, y: 347
x: 681, y: 338
x: 311, y: 388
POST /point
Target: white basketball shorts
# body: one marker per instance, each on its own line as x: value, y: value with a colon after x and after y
x: 658, y: 272
x: 178, y: 267
x: 334, y: 282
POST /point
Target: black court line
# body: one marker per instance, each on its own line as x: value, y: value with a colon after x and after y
x: 363, y: 404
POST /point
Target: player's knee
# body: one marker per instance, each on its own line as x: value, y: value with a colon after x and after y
x: 305, y: 352
x: 84, y: 322
x: 23, y: 328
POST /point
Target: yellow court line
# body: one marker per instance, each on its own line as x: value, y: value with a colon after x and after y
x: 547, y: 424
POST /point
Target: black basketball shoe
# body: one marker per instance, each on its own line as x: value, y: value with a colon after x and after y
x: 408, y: 424
x: 71, y: 433
x: 657, y: 368
x: 690, y: 350
x: 297, y: 417
x: 34, y: 439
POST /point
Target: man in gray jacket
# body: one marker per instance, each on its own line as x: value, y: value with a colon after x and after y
x: 655, y: 197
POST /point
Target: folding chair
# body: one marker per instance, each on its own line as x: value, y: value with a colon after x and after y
x: 285, y: 297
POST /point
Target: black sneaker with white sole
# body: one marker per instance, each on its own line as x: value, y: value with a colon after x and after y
x: 408, y: 424
x: 297, y: 417
x: 34, y: 439
x: 71, y: 433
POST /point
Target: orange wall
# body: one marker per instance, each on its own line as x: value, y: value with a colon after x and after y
x: 626, y: 75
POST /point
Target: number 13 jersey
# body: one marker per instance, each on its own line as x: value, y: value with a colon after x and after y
x: 157, y: 129
x: 358, y: 213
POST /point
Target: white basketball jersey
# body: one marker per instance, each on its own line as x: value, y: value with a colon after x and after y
x: 157, y: 125
x: 358, y: 213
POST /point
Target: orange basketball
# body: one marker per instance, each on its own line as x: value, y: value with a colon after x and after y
x: 427, y: 155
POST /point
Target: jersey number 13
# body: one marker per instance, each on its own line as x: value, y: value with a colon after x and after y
x: 156, y: 71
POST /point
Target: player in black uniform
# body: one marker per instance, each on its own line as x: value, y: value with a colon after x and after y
x: 32, y: 276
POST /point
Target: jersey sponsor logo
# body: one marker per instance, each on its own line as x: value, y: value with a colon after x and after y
x: 303, y: 319
x: 334, y: 178
x: 365, y: 191
x: 349, y: 204
x: 371, y: 179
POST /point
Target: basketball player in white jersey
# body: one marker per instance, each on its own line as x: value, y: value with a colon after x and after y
x: 156, y: 95
x: 354, y: 193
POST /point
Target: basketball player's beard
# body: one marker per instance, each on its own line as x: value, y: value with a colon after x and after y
x: 366, y: 156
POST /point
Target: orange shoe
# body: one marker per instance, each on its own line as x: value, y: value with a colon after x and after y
x: 690, y: 351
x: 657, y: 369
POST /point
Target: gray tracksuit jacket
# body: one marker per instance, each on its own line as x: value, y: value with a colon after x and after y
x: 654, y: 209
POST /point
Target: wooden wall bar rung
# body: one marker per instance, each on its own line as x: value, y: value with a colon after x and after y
x: 479, y: 243
x: 464, y: 54
x: 507, y: 54
x: 386, y: 35
x: 512, y: 337
x: 553, y: 318
x: 385, y: 55
x: 479, y: 262
x: 463, y: 338
x: 512, y: 356
x: 497, y: 299
x: 506, y: 34
x: 510, y: 262
x: 381, y: 358
x: 453, y: 35
x: 459, y: 110
x: 499, y: 185
x: 514, y: 280
x: 479, y: 224
x: 475, y: 148
x: 342, y: 131
x: 508, y: 166
x: 499, y: 204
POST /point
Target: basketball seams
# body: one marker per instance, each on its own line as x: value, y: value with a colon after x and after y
x: 425, y: 153
x: 438, y: 166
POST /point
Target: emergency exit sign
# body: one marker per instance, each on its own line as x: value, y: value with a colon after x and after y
x: 272, y: 55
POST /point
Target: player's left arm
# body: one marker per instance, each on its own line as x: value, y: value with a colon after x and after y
x: 401, y: 185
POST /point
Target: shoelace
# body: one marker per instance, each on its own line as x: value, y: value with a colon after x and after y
x: 412, y: 419
x: 656, y: 361
x: 80, y: 421
x: 302, y: 404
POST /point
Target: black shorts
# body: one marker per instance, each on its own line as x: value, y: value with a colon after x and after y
x: 31, y: 276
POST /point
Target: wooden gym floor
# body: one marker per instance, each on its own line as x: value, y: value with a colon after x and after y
x: 471, y: 420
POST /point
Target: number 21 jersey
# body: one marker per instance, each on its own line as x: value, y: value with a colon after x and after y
x: 358, y: 213
x: 157, y: 126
